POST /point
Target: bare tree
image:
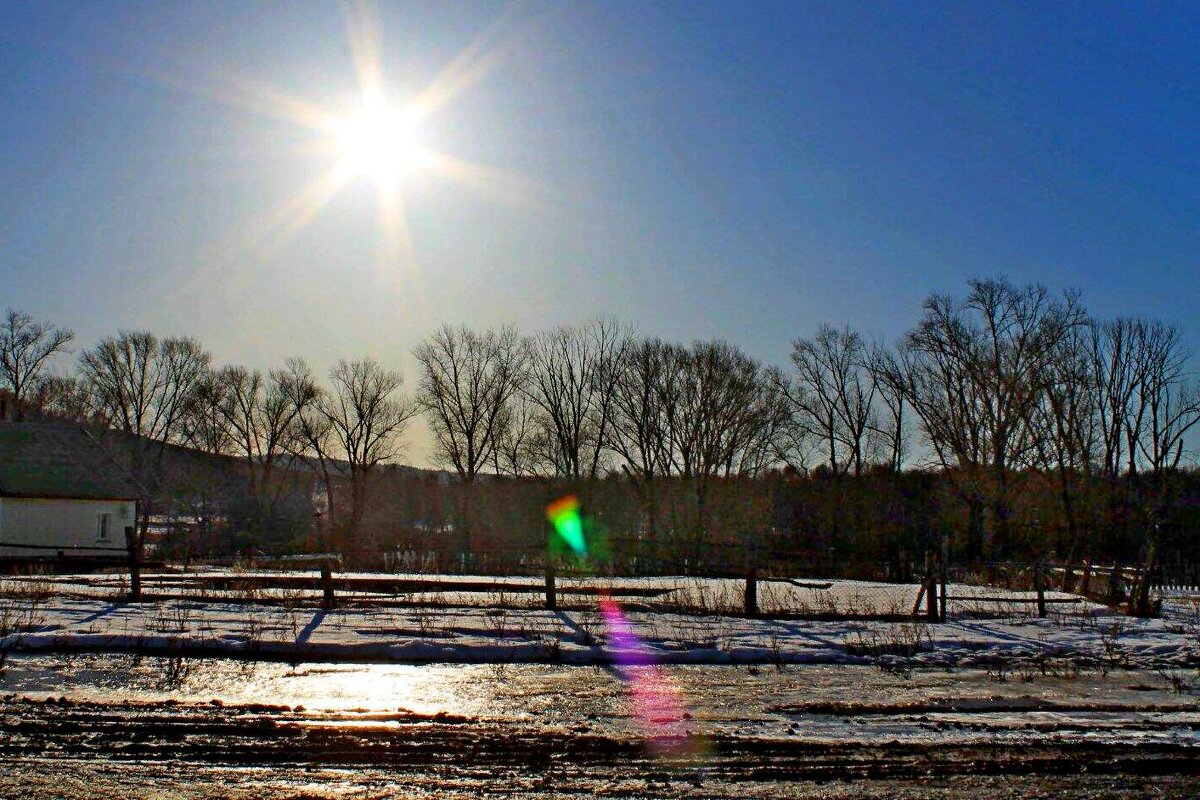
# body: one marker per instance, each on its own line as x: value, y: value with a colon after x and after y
x: 793, y: 442
x: 1145, y: 404
x: 737, y: 411
x: 718, y: 420
x: 467, y: 381
x: 316, y: 432
x: 1166, y: 402
x: 204, y: 426
x: 523, y: 446
x: 679, y: 401
x: 698, y: 413
x: 572, y: 376
x: 353, y: 428
x: 26, y: 346
x: 1162, y: 406
x: 1065, y: 424
x: 890, y: 434
x: 971, y: 372
x: 143, y: 386
x: 1113, y: 351
x: 833, y: 394
x: 720, y: 414
x: 639, y: 432
x: 262, y: 415
x: 62, y: 397
x: 1020, y: 331
x: 936, y: 384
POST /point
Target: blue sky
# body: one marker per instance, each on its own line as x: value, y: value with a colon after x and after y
x: 738, y: 170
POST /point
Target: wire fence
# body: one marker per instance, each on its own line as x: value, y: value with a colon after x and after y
x: 791, y: 590
x: 749, y: 578
x: 1179, y: 577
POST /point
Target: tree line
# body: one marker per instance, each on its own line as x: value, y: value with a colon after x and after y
x: 991, y: 390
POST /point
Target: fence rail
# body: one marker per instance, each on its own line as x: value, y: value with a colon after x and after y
x: 998, y: 589
x: 65, y: 548
x: 752, y: 578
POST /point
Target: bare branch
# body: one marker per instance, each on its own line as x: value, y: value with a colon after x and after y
x: 26, y: 346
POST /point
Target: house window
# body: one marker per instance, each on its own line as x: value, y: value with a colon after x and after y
x: 102, y: 523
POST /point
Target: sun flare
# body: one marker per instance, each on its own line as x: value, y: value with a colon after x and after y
x: 379, y: 143
x: 373, y: 141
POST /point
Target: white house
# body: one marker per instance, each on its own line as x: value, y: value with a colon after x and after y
x: 61, y: 495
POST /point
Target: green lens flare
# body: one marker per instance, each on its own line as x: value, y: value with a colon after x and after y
x: 564, y: 516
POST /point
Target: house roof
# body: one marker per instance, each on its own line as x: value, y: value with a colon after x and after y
x: 47, y: 460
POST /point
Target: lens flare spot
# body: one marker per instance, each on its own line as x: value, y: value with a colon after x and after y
x: 564, y: 516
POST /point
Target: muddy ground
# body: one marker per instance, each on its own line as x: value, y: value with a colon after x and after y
x: 51, y: 748
x: 107, y: 727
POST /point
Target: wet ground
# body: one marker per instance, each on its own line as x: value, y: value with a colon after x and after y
x: 117, y: 726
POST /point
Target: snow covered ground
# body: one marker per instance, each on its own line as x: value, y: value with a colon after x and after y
x: 463, y: 629
x: 1083, y: 704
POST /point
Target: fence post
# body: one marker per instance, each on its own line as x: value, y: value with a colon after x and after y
x: 1139, y: 602
x: 944, y: 567
x: 931, y: 592
x: 752, y: 592
x: 1039, y: 578
x: 326, y: 585
x: 135, y: 569
x: 1114, y: 585
x: 551, y: 591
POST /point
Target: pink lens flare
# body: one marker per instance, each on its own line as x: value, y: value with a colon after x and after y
x: 658, y: 704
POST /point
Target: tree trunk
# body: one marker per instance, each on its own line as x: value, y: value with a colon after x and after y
x: 1003, y: 532
x: 357, y: 501
x: 1068, y: 502
x: 652, y: 516
x: 974, y: 528
x: 701, y: 529
x: 468, y: 519
x: 134, y: 536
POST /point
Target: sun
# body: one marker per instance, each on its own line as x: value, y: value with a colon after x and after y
x: 379, y: 142
x: 368, y: 139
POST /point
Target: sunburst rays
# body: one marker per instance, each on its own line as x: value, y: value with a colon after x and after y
x: 333, y: 135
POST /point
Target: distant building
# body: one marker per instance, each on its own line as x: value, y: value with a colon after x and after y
x: 61, y: 495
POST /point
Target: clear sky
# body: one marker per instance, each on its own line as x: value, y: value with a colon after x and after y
x: 737, y: 170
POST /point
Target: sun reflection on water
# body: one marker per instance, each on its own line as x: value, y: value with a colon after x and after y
x: 428, y: 689
x: 459, y: 690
